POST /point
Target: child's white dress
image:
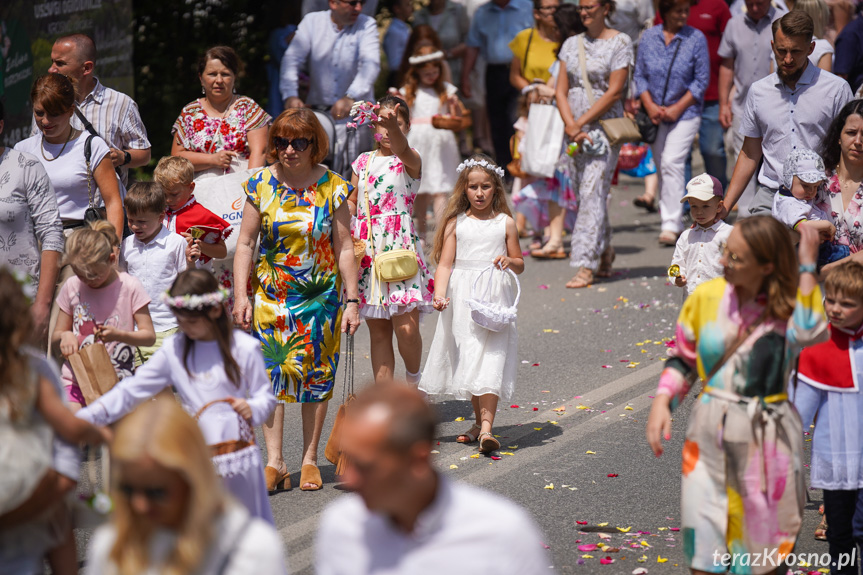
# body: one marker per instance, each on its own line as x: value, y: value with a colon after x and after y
x: 466, y: 359
x: 25, y: 457
x: 242, y: 471
x: 438, y: 148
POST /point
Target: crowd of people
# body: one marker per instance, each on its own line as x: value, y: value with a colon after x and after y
x: 351, y: 209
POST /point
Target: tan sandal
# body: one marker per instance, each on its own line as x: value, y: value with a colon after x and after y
x: 488, y: 442
x: 310, y: 475
x: 582, y: 279
x: 276, y: 480
x: 549, y: 252
x: 821, y: 530
x: 471, y: 434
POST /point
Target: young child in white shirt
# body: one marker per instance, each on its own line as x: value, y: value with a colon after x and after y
x: 794, y: 204
x: 698, y: 249
x: 154, y: 255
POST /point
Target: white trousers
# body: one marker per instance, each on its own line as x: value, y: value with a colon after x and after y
x: 670, y: 150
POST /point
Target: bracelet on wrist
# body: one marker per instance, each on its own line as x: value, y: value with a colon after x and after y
x: 352, y: 300
x: 808, y: 268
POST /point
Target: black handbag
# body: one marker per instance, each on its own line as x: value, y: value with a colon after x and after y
x: 645, y: 125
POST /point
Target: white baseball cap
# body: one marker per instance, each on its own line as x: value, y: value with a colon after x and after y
x: 704, y: 187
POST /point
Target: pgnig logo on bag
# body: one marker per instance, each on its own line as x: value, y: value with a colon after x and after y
x: 772, y: 558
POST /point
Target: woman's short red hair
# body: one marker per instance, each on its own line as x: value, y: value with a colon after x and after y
x: 299, y: 123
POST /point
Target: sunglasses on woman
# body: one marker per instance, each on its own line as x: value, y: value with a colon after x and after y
x: 298, y: 144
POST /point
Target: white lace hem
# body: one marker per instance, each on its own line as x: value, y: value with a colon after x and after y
x: 466, y: 394
x: 386, y: 312
x: 238, y: 462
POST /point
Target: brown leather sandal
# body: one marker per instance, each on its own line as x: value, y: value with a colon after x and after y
x: 582, y: 279
x: 310, y: 474
x: 276, y: 480
x: 488, y: 442
x: 471, y: 434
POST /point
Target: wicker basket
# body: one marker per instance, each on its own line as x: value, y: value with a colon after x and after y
x: 441, y: 122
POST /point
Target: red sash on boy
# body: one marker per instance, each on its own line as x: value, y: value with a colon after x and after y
x: 830, y: 365
x: 193, y: 214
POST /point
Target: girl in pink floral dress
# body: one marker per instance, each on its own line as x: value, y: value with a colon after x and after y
x: 390, y: 176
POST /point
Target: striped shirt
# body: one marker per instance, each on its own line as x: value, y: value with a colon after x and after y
x: 116, y: 119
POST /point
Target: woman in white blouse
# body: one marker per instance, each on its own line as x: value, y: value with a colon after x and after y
x: 171, y: 515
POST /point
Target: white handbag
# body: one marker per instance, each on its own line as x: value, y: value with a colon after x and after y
x: 543, y: 140
x: 492, y: 315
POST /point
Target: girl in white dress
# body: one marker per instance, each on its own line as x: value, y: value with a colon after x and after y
x: 219, y: 375
x: 466, y: 360
x: 428, y: 95
x: 31, y: 412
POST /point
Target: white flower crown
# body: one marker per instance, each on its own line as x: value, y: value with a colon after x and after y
x: 482, y: 163
x: 416, y: 60
x: 201, y: 301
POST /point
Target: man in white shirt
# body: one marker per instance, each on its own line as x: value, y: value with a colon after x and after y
x: 342, y: 49
x: 788, y: 110
x: 113, y: 115
x: 405, y: 518
x: 370, y: 7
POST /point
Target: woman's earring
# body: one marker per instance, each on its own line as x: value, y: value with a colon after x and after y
x: 234, y: 91
x: 203, y: 92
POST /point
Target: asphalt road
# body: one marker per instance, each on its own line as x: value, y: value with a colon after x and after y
x: 574, y: 452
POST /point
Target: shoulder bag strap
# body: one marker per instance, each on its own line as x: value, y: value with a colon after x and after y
x: 582, y: 62
x: 87, y: 125
x: 734, y: 347
x: 88, y: 154
x: 364, y: 181
x: 526, y: 52
x: 668, y: 76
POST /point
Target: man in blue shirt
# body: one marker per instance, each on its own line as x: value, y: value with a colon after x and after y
x: 493, y: 27
x: 848, y: 62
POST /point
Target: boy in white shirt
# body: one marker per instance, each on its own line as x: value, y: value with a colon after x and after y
x: 154, y: 255
x: 698, y: 249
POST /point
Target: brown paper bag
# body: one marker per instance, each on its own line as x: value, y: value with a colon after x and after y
x: 94, y: 371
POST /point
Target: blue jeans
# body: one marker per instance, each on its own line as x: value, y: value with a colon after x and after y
x: 712, y: 145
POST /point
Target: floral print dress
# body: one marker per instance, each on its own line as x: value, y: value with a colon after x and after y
x: 391, y: 198
x: 297, y: 285
x: 200, y: 132
x: 848, y: 221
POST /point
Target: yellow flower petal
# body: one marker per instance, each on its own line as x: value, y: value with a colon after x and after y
x: 453, y: 466
x: 624, y: 530
x: 590, y: 453
x: 459, y: 419
x: 661, y: 559
x: 549, y: 486
x: 602, y: 524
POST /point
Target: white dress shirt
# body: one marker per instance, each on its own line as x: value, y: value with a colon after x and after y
x: 464, y: 530
x: 341, y: 63
x: 698, y: 251
x: 789, y: 120
x: 156, y: 265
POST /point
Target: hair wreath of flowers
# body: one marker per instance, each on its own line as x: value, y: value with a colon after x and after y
x: 201, y: 301
x: 482, y: 163
x: 417, y: 60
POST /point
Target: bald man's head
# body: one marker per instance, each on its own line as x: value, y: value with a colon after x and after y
x: 74, y: 56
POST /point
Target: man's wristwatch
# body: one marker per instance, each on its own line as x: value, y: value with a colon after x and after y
x: 127, y: 157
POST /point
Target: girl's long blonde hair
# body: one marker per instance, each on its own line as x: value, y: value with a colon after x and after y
x: 459, y: 204
x: 162, y: 431
x: 16, y: 388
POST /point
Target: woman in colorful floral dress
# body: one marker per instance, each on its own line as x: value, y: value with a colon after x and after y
x: 221, y: 132
x: 387, y: 179
x: 743, y: 490
x: 296, y: 208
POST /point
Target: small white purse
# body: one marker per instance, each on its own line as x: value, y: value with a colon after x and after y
x: 492, y: 315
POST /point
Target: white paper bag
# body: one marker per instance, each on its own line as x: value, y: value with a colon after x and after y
x: 543, y: 140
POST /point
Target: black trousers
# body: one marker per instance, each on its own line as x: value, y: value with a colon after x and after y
x: 844, y: 513
x: 501, y: 103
